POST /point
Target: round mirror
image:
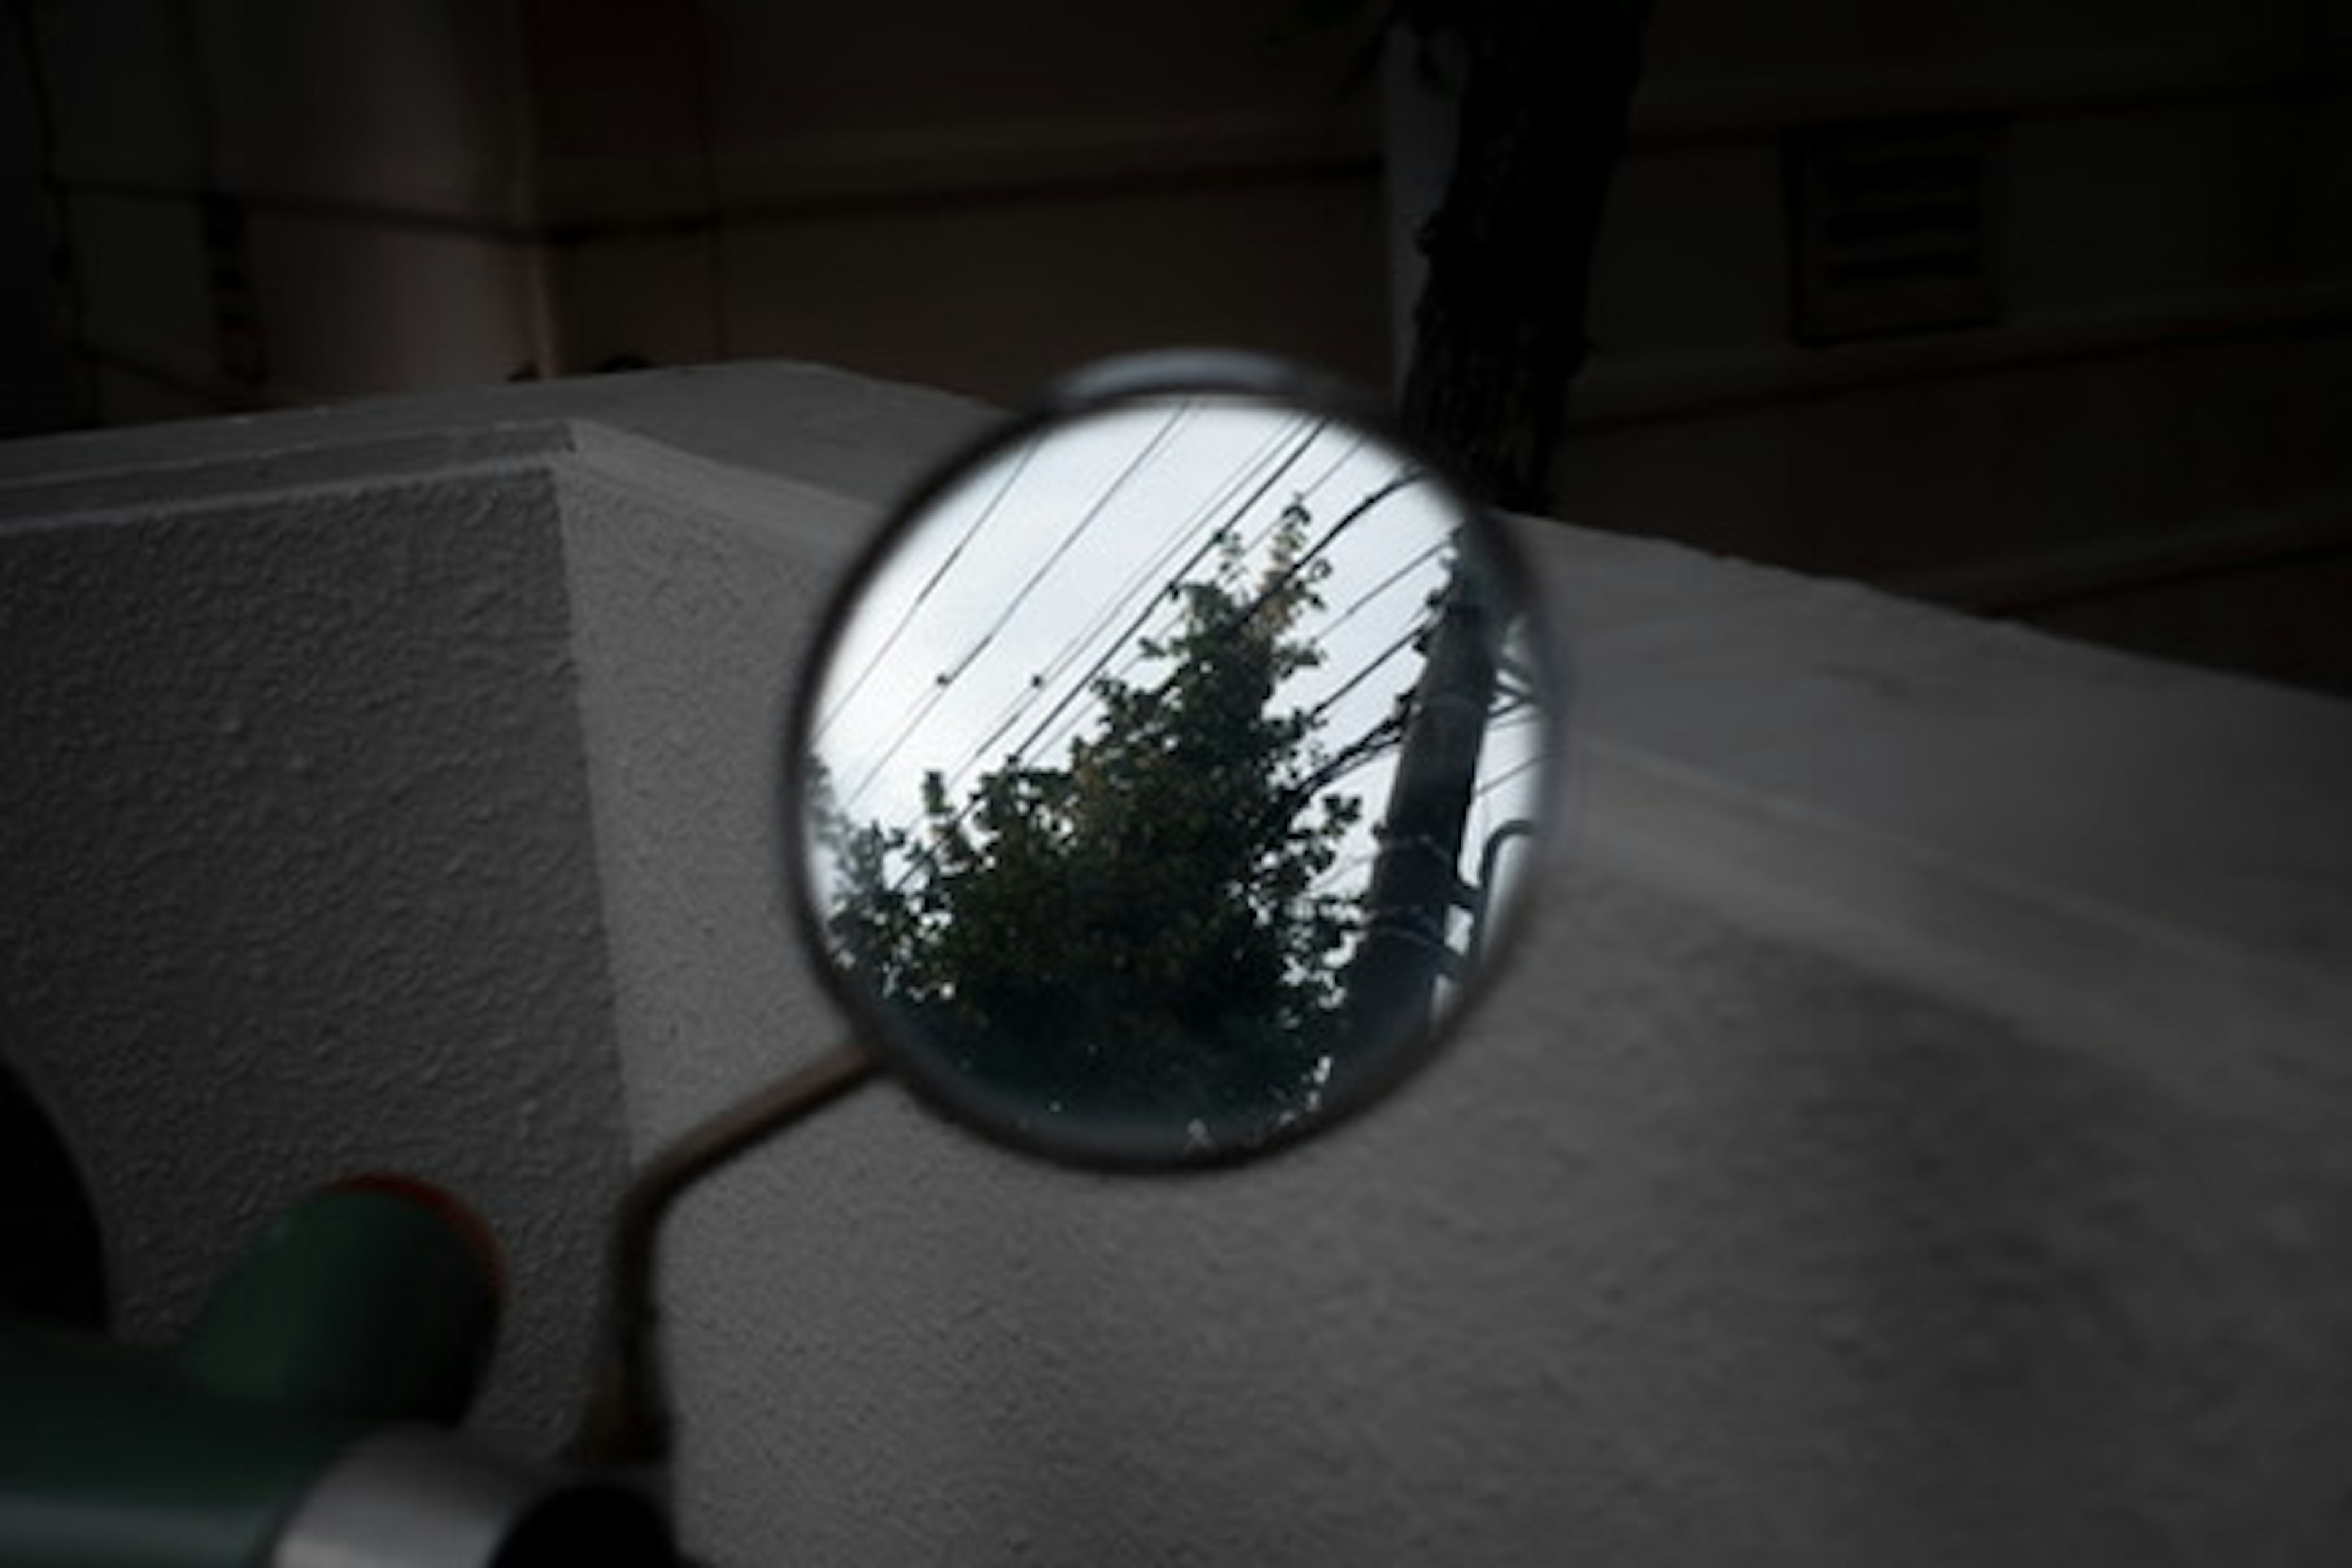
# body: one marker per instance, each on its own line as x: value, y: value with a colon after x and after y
x: 1166, y: 770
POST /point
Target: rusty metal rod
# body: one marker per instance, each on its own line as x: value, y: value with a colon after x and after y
x: 626, y: 1420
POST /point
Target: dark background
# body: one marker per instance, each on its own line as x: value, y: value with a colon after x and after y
x: 2040, y: 309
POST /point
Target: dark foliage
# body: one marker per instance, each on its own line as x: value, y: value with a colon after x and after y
x: 1135, y: 930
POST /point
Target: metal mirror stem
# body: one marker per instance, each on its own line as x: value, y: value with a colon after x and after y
x: 626, y: 1419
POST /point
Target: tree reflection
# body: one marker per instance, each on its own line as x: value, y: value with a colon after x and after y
x: 1140, y: 929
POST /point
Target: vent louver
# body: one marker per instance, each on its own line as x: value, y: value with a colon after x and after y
x: 1892, y: 227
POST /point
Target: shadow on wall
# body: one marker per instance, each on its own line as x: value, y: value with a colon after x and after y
x: 52, y: 1263
x: 2089, y: 1304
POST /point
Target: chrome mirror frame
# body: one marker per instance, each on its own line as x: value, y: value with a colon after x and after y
x: 1110, y: 387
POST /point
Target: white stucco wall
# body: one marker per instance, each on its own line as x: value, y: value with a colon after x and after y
x: 299, y: 875
x: 1912, y: 1128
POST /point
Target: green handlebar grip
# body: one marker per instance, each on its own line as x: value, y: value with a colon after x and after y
x: 109, y: 1460
x: 368, y: 1304
x: 108, y: 1457
x: 375, y: 1300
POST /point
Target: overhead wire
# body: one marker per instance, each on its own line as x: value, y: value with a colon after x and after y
x: 1145, y: 573
x: 1390, y: 729
x: 1385, y: 584
x: 1289, y: 573
x: 947, y: 678
x: 1382, y: 736
x: 1340, y: 868
x: 1101, y: 504
x: 1508, y: 775
x: 1173, y: 585
x: 1338, y: 463
x: 1412, y: 634
x: 923, y: 707
x: 1020, y: 753
x: 1291, y: 570
x: 1012, y: 472
x: 1296, y: 508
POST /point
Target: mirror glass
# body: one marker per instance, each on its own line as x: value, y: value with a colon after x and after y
x: 1166, y: 772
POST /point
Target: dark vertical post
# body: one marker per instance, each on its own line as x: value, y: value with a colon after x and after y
x: 1392, y: 978
x: 1498, y: 331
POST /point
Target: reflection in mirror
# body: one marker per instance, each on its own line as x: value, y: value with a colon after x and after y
x: 1170, y: 769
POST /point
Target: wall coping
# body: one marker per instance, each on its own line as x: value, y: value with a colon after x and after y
x: 2149, y: 857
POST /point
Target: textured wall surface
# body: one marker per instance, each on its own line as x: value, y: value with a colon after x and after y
x: 1913, y: 1127
x: 694, y: 587
x: 299, y: 874
x: 1912, y: 1130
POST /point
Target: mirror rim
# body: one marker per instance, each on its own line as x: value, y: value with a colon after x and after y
x: 1094, y: 390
